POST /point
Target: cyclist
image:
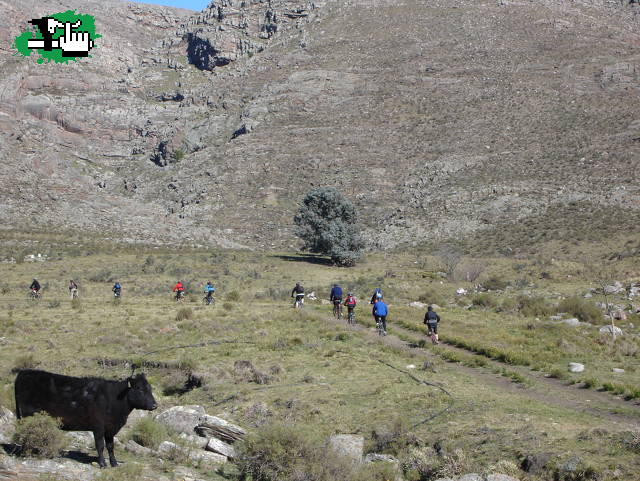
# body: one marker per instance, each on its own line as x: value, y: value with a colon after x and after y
x: 73, y: 289
x: 336, y: 298
x: 35, y: 286
x: 377, y: 295
x: 179, y: 290
x: 209, y: 290
x: 298, y: 294
x: 431, y: 319
x: 117, y: 288
x: 350, y: 302
x: 380, y: 312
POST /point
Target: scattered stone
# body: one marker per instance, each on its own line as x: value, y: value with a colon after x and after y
x: 7, y: 425
x: 312, y: 296
x: 576, y: 367
x: 615, y: 288
x: 417, y: 304
x: 619, y: 315
x: 500, y: 477
x: 617, y: 370
x: 411, y: 366
x: 557, y: 317
x: 348, y: 445
x: 216, y: 446
x: 196, y: 441
x: 137, y: 449
x: 470, y: 477
x: 212, y: 426
x: 532, y: 463
x: 588, y: 295
x: 385, y: 458
x: 609, y: 329
x: 461, y: 292
x: 573, y: 322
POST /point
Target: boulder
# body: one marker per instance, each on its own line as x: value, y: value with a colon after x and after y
x: 383, y: 458
x: 212, y: 426
x: 137, y: 449
x: 617, y: 370
x: 216, y: 446
x: 619, y: 315
x: 576, y: 367
x: 461, y: 292
x: 417, y: 304
x: 614, y: 288
x: 573, y: 322
x: 193, y: 420
x: 534, y: 462
x: 7, y: 424
x: 348, y: 445
x: 500, y: 477
x: 470, y: 477
x: 609, y: 329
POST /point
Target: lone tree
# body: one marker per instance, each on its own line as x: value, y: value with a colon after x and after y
x: 326, y: 222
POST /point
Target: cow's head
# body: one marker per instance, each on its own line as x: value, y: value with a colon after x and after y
x: 139, y: 393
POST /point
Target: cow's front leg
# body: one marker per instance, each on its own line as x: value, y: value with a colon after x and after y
x: 112, y: 457
x: 98, y: 436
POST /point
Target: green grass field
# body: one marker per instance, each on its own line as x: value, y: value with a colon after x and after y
x: 312, y: 372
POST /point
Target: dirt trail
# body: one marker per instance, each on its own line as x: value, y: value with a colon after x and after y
x: 546, y: 390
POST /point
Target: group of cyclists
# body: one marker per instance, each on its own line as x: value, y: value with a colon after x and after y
x: 380, y: 309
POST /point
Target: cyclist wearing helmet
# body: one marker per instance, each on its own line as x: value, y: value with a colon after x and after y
x: 336, y: 298
x: 377, y: 295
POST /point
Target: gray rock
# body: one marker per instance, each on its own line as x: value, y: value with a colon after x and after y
x: 137, y: 449
x: 7, y: 424
x: 500, y: 477
x: 348, y: 445
x: 534, y: 462
x: 609, y: 329
x: 383, y: 458
x: 576, y: 367
x: 193, y: 420
x: 617, y: 370
x: 212, y: 426
x: 615, y: 288
x: 417, y: 304
x: 216, y: 446
x: 470, y: 477
x: 197, y: 441
x: 573, y: 322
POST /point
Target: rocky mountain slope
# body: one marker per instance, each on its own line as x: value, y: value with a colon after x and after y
x: 513, y: 121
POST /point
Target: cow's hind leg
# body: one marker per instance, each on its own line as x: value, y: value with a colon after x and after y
x: 112, y: 457
x: 98, y: 436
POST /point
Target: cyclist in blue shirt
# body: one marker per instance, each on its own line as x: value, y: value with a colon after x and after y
x: 380, y: 312
x: 209, y: 290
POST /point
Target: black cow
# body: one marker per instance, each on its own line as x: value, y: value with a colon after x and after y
x: 84, y: 403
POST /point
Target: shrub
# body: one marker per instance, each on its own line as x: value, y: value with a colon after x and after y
x: 327, y: 224
x: 534, y: 306
x: 227, y: 306
x: 279, y: 452
x: 494, y: 283
x: 184, y: 313
x: 53, y: 304
x: 76, y: 304
x: 581, y: 308
x: 233, y: 296
x: 508, y: 304
x: 25, y: 361
x: 432, y: 296
x: 484, y: 300
x: 39, y: 435
x: 148, y: 433
x: 469, y: 271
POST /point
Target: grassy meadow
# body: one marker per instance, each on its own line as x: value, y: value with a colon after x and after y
x: 258, y: 362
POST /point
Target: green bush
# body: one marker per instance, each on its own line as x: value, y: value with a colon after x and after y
x: 327, y: 224
x: 39, y: 435
x: 432, y: 296
x: 581, y: 308
x: 149, y: 433
x: 279, y: 452
x: 484, y: 300
x: 184, y: 313
x: 494, y: 283
x: 534, y: 306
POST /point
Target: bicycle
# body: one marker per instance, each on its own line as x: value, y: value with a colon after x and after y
x: 179, y: 296
x: 116, y: 294
x: 351, y: 316
x: 207, y: 300
x: 337, y: 308
x: 380, y: 327
x: 432, y: 333
x: 34, y: 295
x: 74, y: 293
x: 299, y: 302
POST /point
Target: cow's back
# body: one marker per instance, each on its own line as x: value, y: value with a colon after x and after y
x: 76, y: 401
